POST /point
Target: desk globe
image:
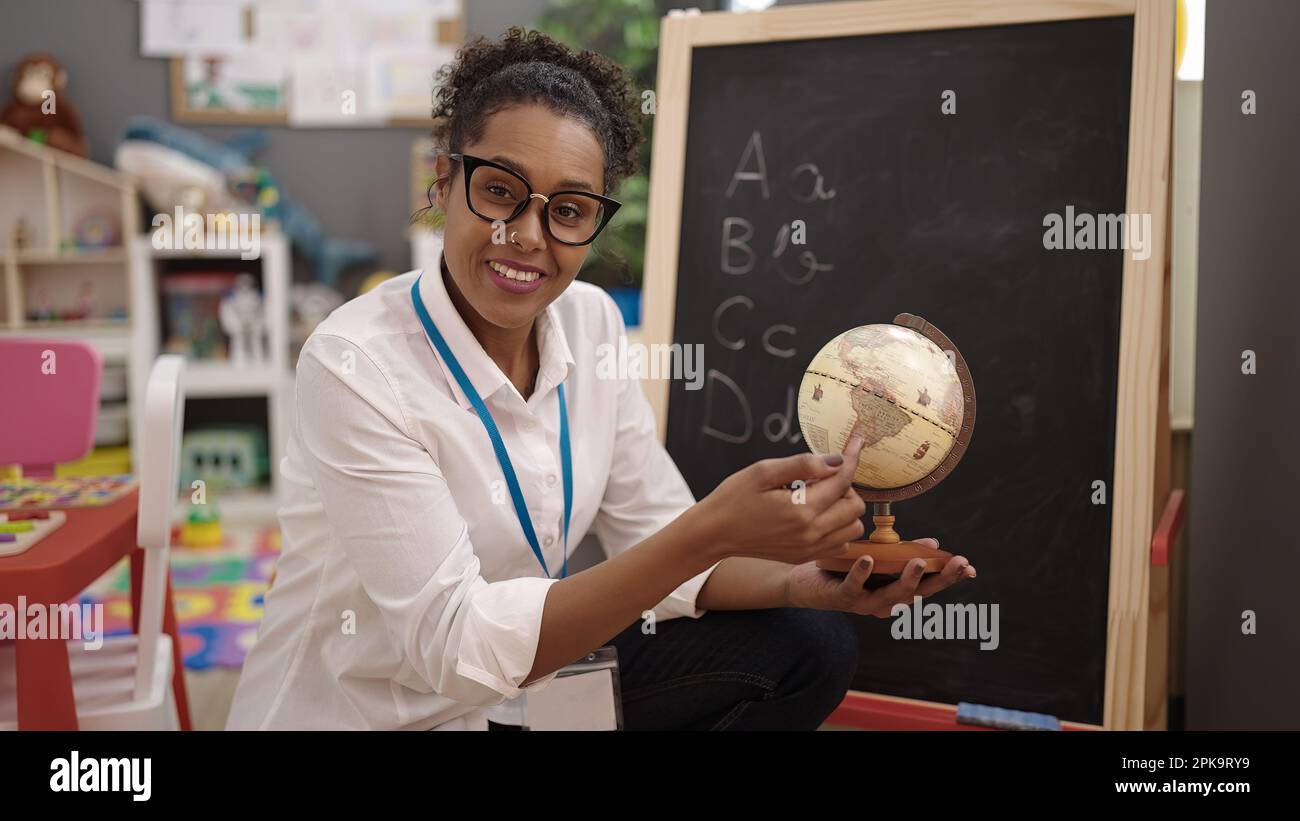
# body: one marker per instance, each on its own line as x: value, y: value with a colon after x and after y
x: 906, y: 389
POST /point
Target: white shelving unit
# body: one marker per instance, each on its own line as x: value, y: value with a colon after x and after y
x: 215, y: 379
x: 45, y: 194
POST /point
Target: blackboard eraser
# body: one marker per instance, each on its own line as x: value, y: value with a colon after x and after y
x: 1004, y: 719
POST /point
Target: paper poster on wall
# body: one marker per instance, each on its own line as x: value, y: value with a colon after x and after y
x: 176, y: 28
x: 401, y: 80
x: 396, y: 25
x: 242, y: 81
x: 289, y: 27
x: 324, y: 91
x: 308, y: 63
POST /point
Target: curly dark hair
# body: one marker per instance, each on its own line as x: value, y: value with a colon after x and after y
x: 530, y: 67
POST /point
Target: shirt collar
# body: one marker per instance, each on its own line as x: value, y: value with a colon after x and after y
x: 483, y: 372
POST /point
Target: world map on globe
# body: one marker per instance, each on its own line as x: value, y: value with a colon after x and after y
x: 893, y: 386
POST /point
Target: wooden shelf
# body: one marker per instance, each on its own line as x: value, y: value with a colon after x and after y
x: 51, y: 192
x: 99, y: 256
x: 111, y: 338
x: 74, y: 327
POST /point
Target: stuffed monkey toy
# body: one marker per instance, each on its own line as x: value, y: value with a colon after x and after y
x: 39, y: 109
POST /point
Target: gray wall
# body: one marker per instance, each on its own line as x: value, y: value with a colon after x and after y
x: 355, y: 180
x: 1246, y: 449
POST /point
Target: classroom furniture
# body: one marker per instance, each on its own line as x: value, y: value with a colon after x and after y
x: 158, y: 469
x: 51, y: 387
x: 822, y: 167
x: 269, y: 387
x: 132, y: 681
x: 64, y: 255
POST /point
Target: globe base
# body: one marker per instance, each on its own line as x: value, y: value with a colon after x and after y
x: 889, y: 558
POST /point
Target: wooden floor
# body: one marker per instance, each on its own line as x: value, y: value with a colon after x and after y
x: 210, y: 692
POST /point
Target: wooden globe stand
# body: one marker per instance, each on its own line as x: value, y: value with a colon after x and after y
x: 889, y: 552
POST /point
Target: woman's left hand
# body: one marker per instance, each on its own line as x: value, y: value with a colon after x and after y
x: 809, y: 586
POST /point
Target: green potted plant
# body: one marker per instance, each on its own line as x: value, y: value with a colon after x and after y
x: 627, y: 32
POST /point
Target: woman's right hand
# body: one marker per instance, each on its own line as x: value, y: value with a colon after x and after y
x: 755, y: 511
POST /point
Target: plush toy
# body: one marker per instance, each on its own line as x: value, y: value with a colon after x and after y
x: 39, y: 110
x: 160, y: 150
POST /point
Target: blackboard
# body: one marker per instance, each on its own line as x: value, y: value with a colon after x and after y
x: 906, y: 208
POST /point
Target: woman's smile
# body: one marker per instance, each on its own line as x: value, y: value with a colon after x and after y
x: 515, y: 277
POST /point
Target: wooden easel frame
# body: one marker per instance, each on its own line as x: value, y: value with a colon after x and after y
x: 1149, y: 147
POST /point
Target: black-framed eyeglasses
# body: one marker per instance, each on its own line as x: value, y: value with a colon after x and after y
x: 494, y: 192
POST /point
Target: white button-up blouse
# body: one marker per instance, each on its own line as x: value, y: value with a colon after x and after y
x: 406, y: 595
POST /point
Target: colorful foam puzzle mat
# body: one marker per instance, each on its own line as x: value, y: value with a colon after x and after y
x: 218, y: 593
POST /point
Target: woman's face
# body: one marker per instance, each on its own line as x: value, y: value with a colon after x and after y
x: 553, y: 153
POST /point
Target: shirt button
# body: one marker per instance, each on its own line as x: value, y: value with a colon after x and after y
x: 550, y: 540
x: 530, y: 426
x: 550, y: 480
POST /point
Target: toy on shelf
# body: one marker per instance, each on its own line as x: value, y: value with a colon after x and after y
x: 44, y: 307
x: 244, y: 321
x: 192, y: 308
x: 21, y: 237
x: 228, y: 457
x: 255, y: 188
x: 85, y: 301
x: 97, y: 230
x: 85, y: 307
x: 168, y: 159
x: 40, y: 109
x: 202, y: 527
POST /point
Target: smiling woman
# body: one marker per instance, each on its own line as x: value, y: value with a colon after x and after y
x: 455, y: 438
x: 521, y: 116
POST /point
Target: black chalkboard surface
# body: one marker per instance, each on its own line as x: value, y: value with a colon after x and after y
x: 907, y: 209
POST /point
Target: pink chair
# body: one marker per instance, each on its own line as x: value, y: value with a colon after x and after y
x: 134, y: 681
x: 52, y: 402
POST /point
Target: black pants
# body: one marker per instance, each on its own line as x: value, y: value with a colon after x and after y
x: 777, y: 669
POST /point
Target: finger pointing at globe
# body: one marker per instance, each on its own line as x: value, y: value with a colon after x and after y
x: 774, y: 509
x: 893, y: 387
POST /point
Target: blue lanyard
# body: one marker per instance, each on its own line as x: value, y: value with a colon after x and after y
x: 566, y: 464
